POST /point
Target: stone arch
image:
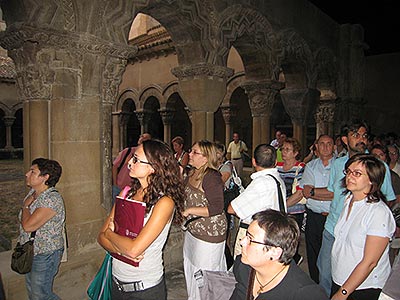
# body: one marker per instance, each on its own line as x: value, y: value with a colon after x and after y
x: 124, y: 95
x: 7, y: 111
x: 296, y: 60
x: 187, y: 24
x: 16, y: 107
x: 253, y: 37
x: 170, y: 89
x: 233, y: 83
x: 153, y: 90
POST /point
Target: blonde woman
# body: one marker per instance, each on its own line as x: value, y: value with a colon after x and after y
x: 204, y: 242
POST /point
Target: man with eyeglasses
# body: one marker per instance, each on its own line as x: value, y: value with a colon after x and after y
x: 354, y: 136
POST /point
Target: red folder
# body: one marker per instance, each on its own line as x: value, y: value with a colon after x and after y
x: 128, y: 220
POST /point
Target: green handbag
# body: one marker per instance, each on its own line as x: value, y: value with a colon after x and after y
x: 100, y: 287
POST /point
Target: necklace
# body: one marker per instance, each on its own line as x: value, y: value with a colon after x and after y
x: 262, y: 286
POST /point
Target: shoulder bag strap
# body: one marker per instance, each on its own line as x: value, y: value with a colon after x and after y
x: 32, y: 237
x: 249, y: 294
x: 123, y: 160
x: 278, y: 185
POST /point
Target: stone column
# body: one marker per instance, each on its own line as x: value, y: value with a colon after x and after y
x: 143, y: 117
x: 202, y: 87
x: 324, y: 117
x: 123, y: 122
x: 261, y: 99
x: 68, y: 83
x: 167, y: 116
x: 228, y: 113
x: 8, y: 122
x: 300, y: 105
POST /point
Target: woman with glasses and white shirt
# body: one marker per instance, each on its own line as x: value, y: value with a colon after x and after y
x: 360, y: 257
x: 158, y: 183
x: 266, y: 269
x: 204, y: 243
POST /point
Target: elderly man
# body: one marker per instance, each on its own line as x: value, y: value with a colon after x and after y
x: 234, y: 153
x: 316, y: 175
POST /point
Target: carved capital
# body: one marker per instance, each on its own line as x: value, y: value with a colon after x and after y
x: 8, y: 120
x: 325, y: 112
x: 228, y: 112
x: 167, y: 115
x: 201, y: 69
x: 112, y: 77
x: 300, y: 103
x: 16, y: 36
x: 143, y: 116
x: 262, y: 95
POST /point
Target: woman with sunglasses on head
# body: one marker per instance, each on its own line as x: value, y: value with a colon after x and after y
x: 204, y: 243
x: 266, y: 269
x: 360, y: 257
x: 158, y: 183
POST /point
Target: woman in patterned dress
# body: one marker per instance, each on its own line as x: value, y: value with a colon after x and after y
x: 43, y: 212
x: 204, y: 242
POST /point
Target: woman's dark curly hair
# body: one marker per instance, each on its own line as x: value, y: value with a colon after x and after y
x: 375, y: 169
x: 166, y: 180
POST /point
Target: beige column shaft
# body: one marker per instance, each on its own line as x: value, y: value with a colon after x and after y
x: 8, y: 122
x: 202, y: 87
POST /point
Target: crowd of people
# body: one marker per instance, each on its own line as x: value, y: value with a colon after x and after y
x: 340, y: 195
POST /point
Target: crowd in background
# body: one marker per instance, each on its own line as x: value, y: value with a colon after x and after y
x: 340, y: 194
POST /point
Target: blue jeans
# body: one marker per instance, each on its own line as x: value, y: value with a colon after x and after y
x: 324, y: 262
x: 39, y: 281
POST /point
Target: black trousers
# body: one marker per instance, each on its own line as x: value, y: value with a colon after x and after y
x: 314, y: 228
x: 299, y: 220
x: 366, y: 294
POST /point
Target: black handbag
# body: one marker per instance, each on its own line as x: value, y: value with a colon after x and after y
x: 230, y: 194
x: 22, y: 256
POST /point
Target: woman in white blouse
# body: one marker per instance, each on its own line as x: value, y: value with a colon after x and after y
x: 360, y: 257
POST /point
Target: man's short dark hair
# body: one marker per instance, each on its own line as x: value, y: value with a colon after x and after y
x: 354, y: 126
x: 265, y: 156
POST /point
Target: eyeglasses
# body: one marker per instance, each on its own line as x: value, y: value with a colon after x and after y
x: 286, y: 149
x: 195, y: 152
x: 135, y: 160
x: 393, y: 153
x: 355, y: 173
x: 357, y: 135
x: 248, y: 239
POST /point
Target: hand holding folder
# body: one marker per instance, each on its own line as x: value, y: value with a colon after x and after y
x: 128, y: 221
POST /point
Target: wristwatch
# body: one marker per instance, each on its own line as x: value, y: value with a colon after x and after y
x: 312, y: 192
x: 343, y: 291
